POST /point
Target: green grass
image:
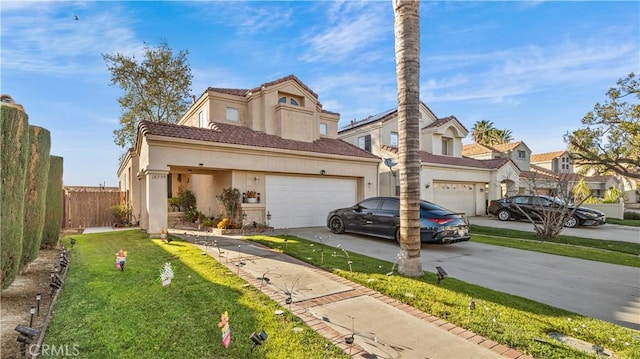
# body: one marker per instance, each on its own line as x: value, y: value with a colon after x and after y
x: 105, y: 313
x: 624, y: 222
x: 615, y: 246
x: 573, y: 251
x: 511, y: 320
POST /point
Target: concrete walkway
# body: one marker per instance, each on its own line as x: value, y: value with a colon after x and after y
x: 336, y: 308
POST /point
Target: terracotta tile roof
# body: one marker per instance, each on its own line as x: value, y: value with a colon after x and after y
x: 537, y: 175
x: 239, y: 135
x: 477, y: 149
x: 536, y: 168
x: 504, y: 147
x: 547, y: 156
x: 441, y: 121
x: 244, y: 92
x: 427, y: 157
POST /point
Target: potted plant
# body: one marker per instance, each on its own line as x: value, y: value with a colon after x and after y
x: 175, y: 203
x: 251, y: 197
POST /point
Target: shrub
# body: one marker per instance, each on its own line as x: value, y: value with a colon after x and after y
x: 55, y: 206
x: 187, y: 199
x: 35, y: 193
x: 14, y: 143
x: 631, y: 215
x: 223, y: 224
x: 120, y: 214
x: 230, y: 200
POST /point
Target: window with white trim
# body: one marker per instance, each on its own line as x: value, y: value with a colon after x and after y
x: 233, y: 114
x: 364, y: 142
x: 202, y: 120
x: 323, y: 129
x: 393, y: 140
x: 447, y: 146
x: 522, y: 154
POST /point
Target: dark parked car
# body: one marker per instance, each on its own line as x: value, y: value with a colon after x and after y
x: 380, y: 217
x: 506, y: 209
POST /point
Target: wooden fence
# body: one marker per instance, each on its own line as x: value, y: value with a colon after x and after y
x: 89, y: 209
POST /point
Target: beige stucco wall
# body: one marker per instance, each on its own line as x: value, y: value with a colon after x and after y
x: 244, y: 162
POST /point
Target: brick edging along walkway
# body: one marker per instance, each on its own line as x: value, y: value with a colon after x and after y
x: 300, y: 310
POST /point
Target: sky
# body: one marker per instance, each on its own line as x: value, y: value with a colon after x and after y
x: 532, y: 67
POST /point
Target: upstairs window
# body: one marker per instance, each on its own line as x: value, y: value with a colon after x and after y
x: 393, y: 141
x: 364, y: 142
x: 447, y: 146
x: 522, y: 154
x: 202, y: 120
x: 323, y: 129
x: 288, y: 100
x: 233, y: 114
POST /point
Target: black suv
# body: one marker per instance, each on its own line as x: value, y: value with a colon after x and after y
x: 506, y: 209
x: 380, y: 217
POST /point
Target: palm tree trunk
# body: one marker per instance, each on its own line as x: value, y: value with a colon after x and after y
x: 407, y: 47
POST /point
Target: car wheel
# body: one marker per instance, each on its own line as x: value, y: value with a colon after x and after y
x: 571, y: 222
x: 397, y: 235
x: 504, y: 215
x: 337, y: 225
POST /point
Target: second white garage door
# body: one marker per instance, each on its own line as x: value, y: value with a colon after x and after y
x: 305, y: 201
x: 458, y: 197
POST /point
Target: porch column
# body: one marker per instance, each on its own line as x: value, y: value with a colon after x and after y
x: 156, y: 201
x: 139, y: 199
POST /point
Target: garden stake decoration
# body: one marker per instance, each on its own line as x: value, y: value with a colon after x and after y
x: 286, y: 237
x: 226, y: 330
x: 349, y: 261
x: 393, y: 267
x: 121, y: 259
x: 289, y: 293
x: 166, y: 274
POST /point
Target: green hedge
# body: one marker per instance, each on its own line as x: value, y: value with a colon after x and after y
x: 14, y: 145
x: 35, y: 193
x: 55, y: 205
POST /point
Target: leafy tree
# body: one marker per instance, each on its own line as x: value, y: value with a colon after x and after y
x: 407, y: 48
x: 157, y: 89
x: 609, y: 140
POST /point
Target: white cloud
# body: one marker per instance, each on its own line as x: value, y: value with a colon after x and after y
x: 351, y: 33
x: 49, y: 40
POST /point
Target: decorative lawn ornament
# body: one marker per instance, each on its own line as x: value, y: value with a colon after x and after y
x: 166, y: 274
x: 226, y: 330
x: 163, y: 235
x: 121, y: 258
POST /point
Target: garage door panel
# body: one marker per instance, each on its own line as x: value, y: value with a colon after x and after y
x: 458, y: 197
x: 305, y: 201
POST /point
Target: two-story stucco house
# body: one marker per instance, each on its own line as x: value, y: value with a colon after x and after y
x: 447, y: 178
x: 556, y: 162
x: 275, y: 139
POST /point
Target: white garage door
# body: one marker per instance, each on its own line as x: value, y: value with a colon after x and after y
x: 305, y: 201
x: 456, y: 196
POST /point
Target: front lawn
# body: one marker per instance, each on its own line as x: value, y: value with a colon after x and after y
x: 511, y: 320
x: 105, y: 313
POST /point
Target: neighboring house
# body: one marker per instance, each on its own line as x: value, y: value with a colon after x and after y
x: 447, y: 178
x: 556, y: 162
x: 274, y: 139
x: 518, y: 152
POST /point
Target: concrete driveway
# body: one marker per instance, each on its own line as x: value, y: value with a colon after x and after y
x: 598, y: 290
x: 611, y: 232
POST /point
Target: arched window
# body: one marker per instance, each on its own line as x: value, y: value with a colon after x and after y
x: 294, y: 102
x: 282, y: 99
